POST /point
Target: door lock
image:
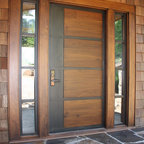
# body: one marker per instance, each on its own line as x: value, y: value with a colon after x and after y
x: 52, y: 78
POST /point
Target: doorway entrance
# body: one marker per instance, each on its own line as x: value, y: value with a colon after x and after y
x: 77, y: 68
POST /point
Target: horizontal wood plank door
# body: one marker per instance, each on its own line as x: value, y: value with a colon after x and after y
x: 77, y: 67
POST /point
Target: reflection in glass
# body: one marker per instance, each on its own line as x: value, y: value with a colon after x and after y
x: 28, y: 18
x: 27, y: 56
x: 27, y: 84
x: 120, y: 69
x: 118, y: 54
x: 28, y: 121
x: 27, y: 51
x: 118, y: 27
x: 28, y: 67
x: 28, y: 41
x: 118, y: 111
x: 118, y: 82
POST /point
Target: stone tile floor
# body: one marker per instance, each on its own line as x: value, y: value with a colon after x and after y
x: 127, y: 136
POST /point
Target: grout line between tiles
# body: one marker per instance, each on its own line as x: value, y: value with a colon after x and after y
x: 114, y: 138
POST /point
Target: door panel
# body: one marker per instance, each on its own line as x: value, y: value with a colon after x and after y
x: 82, y: 113
x: 82, y: 53
x: 76, y: 67
x: 56, y: 64
x: 82, y: 83
x: 82, y: 23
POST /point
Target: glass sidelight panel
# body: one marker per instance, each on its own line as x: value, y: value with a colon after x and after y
x: 120, y: 69
x: 28, y: 18
x: 28, y: 51
x: 118, y: 82
x: 27, y: 84
x: 28, y: 117
x: 118, y: 54
x: 28, y: 67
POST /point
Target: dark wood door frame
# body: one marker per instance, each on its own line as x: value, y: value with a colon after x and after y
x: 43, y: 60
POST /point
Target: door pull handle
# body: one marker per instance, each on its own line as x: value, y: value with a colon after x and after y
x: 55, y: 80
x: 52, y: 78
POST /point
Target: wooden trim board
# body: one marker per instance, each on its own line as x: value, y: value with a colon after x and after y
x: 110, y: 69
x: 43, y: 56
x: 131, y: 69
x: 98, y: 4
x: 13, y: 70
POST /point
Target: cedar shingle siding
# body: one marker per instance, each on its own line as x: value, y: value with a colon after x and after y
x: 3, y: 70
x: 4, y: 74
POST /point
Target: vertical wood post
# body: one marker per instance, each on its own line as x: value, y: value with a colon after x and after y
x: 43, y: 53
x: 13, y: 69
x: 131, y: 70
x: 110, y: 69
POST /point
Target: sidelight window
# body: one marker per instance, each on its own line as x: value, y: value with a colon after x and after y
x: 120, y: 68
x: 28, y: 67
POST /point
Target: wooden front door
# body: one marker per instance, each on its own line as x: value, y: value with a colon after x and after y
x: 76, y: 68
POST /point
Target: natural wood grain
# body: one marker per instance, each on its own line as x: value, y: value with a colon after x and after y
x: 132, y: 69
x: 3, y: 26
x: 3, y: 50
x: 140, y: 20
x: 3, y: 63
x: 139, y: 29
x: 3, y: 113
x: 82, y: 53
x: 3, y: 38
x: 13, y: 64
x: 3, y: 14
x: 140, y: 11
x: 82, y: 113
x: 43, y: 66
x: 3, y: 3
x: 82, y: 83
x: 98, y: 4
x: 139, y: 2
x: 110, y: 70
x: 130, y: 2
x: 82, y: 23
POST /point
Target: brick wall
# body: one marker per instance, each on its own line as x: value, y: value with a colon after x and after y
x: 3, y: 70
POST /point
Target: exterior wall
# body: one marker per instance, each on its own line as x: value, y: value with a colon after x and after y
x: 139, y: 113
x: 3, y: 64
x: 140, y: 64
x: 3, y: 70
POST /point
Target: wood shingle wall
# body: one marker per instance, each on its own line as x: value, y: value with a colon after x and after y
x: 139, y: 113
x: 3, y: 71
x: 139, y: 119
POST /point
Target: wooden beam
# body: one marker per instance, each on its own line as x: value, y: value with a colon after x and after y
x: 131, y: 69
x: 98, y: 4
x: 110, y: 69
x: 13, y: 71
x: 43, y: 53
x: 3, y: 3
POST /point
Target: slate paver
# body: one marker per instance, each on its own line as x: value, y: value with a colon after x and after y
x: 103, y: 138
x: 87, y: 141
x: 63, y: 140
x: 135, y: 135
x: 125, y: 136
x: 138, y: 129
